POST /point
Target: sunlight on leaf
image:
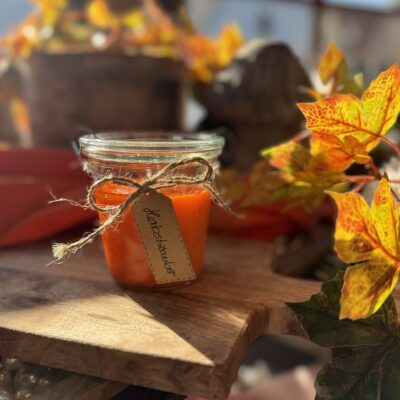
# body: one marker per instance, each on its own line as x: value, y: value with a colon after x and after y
x: 334, y: 120
x: 368, y: 237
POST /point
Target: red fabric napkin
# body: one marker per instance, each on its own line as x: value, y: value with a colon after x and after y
x: 261, y: 223
x: 28, y: 179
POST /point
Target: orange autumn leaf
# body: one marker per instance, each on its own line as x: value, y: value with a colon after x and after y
x: 333, y: 121
x: 200, y: 53
x: 368, y: 238
x: 100, y: 15
x: 228, y: 43
x: 206, y: 55
x: 334, y: 70
x: 50, y: 10
x: 333, y: 65
x: 20, y: 119
x: 22, y: 39
x: 337, y: 154
x: 48, y: 4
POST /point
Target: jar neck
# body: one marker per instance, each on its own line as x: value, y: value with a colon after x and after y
x: 140, y: 171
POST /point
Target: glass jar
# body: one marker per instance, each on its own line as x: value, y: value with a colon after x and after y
x: 138, y: 156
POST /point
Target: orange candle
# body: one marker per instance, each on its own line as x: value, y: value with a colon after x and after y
x: 125, y: 254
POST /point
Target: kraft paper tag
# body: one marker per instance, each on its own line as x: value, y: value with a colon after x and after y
x: 162, y: 238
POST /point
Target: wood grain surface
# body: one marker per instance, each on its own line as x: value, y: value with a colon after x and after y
x: 189, y: 340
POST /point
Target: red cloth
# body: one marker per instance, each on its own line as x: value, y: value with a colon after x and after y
x: 27, y: 180
x: 262, y: 222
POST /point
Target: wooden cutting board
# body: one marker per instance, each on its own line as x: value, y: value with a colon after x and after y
x: 187, y: 341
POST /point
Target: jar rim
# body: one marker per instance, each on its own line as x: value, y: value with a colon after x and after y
x: 133, y: 146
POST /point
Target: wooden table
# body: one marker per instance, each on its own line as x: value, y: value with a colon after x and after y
x: 186, y: 341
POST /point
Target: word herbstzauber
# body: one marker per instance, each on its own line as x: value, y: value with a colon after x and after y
x: 162, y: 238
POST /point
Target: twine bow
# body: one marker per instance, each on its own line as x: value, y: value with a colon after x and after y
x: 167, y: 177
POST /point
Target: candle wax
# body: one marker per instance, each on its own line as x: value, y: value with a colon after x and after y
x: 124, y: 252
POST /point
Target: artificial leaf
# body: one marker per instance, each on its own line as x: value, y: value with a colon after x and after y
x: 333, y: 65
x: 334, y: 119
x: 145, y: 28
x: 365, y: 353
x: 50, y: 4
x: 50, y: 10
x: 334, y: 69
x: 100, y: 15
x: 228, y: 43
x: 289, y: 157
x: 370, y: 238
x: 20, y: 119
x: 290, y: 173
x: 199, y: 50
x: 334, y: 72
x: 206, y: 56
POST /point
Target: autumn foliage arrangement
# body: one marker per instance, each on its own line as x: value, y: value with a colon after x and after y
x: 354, y: 314
x: 56, y: 26
x: 342, y: 130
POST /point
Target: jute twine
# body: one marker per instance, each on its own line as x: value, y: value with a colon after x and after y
x: 167, y: 177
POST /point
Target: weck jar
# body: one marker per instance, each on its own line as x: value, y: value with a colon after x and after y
x: 138, y: 157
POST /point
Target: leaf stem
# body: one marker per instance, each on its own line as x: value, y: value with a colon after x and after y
x: 393, y: 145
x: 360, y: 186
x: 359, y: 178
x: 304, y: 134
x: 395, y: 195
x: 375, y: 170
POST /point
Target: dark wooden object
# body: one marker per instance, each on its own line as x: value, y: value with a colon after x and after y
x: 255, y: 99
x: 10, y: 86
x: 78, y: 387
x: 68, y: 93
x: 186, y: 341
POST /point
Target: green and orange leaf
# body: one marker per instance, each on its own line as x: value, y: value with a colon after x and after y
x: 346, y: 128
x: 289, y: 157
x: 368, y: 238
x: 365, y: 354
x: 289, y: 172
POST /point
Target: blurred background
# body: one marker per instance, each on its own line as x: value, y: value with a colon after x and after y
x: 366, y: 29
